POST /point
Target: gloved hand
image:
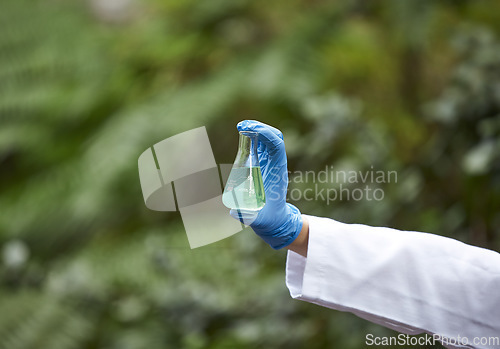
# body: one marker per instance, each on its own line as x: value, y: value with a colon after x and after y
x: 279, y: 222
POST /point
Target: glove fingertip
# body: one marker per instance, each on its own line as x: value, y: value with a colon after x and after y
x: 244, y: 125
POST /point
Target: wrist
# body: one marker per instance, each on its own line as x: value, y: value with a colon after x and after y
x: 283, y: 231
x: 289, y: 231
x: 301, y: 242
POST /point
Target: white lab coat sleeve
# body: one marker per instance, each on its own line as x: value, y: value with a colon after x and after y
x: 409, y: 281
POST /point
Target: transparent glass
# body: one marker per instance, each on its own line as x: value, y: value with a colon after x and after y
x: 244, y: 188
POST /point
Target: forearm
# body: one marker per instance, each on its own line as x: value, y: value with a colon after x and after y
x: 409, y: 281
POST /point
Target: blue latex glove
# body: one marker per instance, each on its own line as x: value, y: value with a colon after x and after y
x: 279, y: 222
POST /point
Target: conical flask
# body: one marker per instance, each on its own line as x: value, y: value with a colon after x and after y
x: 244, y: 188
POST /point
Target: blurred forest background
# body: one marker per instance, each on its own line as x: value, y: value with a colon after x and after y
x: 86, y: 86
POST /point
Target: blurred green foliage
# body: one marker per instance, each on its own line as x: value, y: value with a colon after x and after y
x: 86, y: 86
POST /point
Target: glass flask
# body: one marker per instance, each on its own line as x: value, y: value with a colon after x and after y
x: 244, y: 188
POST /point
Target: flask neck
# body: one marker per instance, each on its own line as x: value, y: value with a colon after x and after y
x: 247, y: 150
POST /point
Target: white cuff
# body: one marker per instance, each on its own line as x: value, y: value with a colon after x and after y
x: 310, y: 279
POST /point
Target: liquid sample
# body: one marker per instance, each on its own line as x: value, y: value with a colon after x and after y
x: 244, y: 189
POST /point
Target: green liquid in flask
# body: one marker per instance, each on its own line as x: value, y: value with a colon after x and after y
x: 244, y: 189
